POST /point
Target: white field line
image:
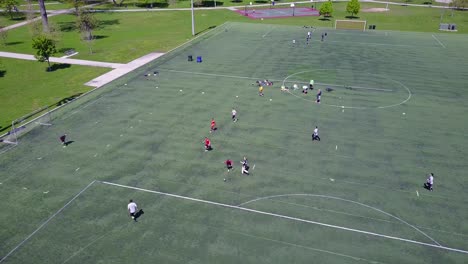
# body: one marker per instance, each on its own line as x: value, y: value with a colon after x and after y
x: 268, y: 32
x: 371, y: 43
x: 45, y: 222
x: 301, y: 246
x: 434, y: 37
x: 289, y: 217
x: 344, y: 200
x: 254, y: 78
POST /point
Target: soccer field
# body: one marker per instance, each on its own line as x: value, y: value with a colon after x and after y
x: 395, y: 110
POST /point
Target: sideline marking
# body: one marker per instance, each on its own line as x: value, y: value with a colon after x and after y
x: 45, y: 222
x: 300, y: 246
x: 268, y: 32
x: 438, y: 41
x: 295, y: 218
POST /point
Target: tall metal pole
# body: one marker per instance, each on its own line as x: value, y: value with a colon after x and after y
x: 193, y: 19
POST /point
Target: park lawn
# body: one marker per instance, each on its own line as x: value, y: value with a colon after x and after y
x: 219, y: 3
x: 25, y: 86
x: 50, y: 6
x: 182, y: 4
x: 5, y: 19
x: 122, y: 37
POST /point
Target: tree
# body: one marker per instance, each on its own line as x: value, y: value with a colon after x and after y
x: 45, y: 47
x: 459, y: 3
x: 45, y: 20
x: 326, y: 9
x: 3, y: 35
x: 86, y: 22
x: 353, y: 7
x: 9, y: 6
x: 119, y: 4
x: 76, y: 4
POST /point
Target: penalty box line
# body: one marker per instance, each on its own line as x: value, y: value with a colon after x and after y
x: 287, y: 217
x: 45, y: 223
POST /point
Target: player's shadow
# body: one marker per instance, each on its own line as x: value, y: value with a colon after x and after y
x: 139, y: 214
x: 68, y: 142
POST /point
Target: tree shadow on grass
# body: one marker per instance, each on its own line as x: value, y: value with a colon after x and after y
x: 19, y: 18
x: 153, y: 5
x: 206, y: 29
x: 59, y: 66
x: 352, y: 17
x: 67, y: 26
x: 236, y: 1
x: 68, y: 99
x: 261, y: 1
x: 2, y: 73
x: 99, y: 37
x: 208, y: 3
x: 324, y: 19
x: 13, y: 43
x: 63, y: 50
x: 108, y: 22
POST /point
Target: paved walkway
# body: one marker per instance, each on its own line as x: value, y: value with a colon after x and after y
x: 119, y: 68
x: 122, y: 70
x: 62, y: 60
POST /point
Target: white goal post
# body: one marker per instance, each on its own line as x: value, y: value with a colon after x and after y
x: 351, y: 24
x: 41, y: 117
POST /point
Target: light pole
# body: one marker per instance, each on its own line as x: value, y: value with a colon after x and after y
x: 245, y: 9
x: 293, y: 7
x: 193, y: 19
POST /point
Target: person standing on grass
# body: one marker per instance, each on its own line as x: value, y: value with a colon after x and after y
x: 63, y: 139
x: 319, y: 96
x: 245, y: 166
x: 429, y: 182
x: 228, y: 163
x: 213, y: 125
x: 234, y: 115
x: 132, y: 209
x: 207, y: 144
x: 260, y: 90
x: 315, y: 135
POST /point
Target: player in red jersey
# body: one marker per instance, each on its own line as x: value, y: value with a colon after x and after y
x: 213, y: 125
x: 207, y: 144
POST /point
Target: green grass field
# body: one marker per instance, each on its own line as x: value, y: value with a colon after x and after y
x: 122, y: 37
x: 45, y: 88
x: 365, y: 175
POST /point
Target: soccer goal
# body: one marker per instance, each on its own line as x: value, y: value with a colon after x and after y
x: 351, y: 24
x: 40, y: 117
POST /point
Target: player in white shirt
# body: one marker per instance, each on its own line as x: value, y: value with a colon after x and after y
x: 132, y: 209
x: 429, y: 182
x: 234, y: 115
x: 315, y: 135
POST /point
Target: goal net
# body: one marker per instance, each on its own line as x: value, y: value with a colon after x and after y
x: 351, y: 24
x: 40, y: 117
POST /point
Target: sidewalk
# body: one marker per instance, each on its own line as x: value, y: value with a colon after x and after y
x: 119, y: 68
x: 62, y: 60
x: 122, y: 70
